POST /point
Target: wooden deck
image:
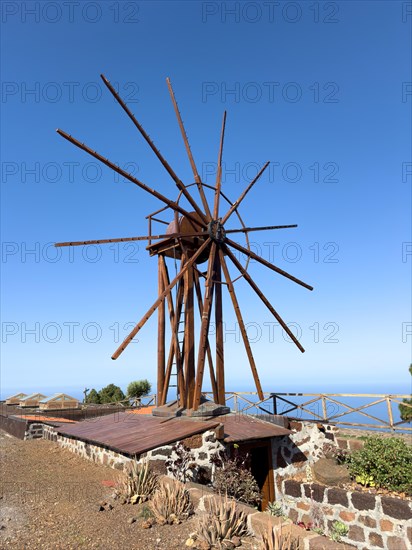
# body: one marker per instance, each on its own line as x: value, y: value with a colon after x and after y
x: 132, y: 434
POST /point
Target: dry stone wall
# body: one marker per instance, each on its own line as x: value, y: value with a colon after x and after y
x: 202, y: 446
x: 374, y: 521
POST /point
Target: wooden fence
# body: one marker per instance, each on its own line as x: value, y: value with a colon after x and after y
x: 325, y: 407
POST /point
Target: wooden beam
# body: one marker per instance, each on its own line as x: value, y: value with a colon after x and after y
x: 156, y: 151
x: 174, y: 205
x: 267, y: 264
x: 220, y: 364
x: 242, y: 327
x: 189, y: 151
x: 249, y: 279
x: 208, y: 350
x: 189, y: 339
x: 219, y: 171
x: 236, y: 204
x: 160, y: 332
x: 204, y: 329
x: 153, y: 308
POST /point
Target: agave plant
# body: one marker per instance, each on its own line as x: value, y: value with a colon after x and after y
x: 276, y: 539
x: 139, y: 482
x: 171, y: 504
x: 221, y: 522
x: 274, y: 509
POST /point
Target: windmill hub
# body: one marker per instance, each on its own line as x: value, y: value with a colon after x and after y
x: 216, y: 231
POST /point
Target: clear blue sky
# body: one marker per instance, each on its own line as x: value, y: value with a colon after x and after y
x: 322, y: 90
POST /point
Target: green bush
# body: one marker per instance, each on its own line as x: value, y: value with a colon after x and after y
x: 111, y: 394
x: 405, y: 408
x: 384, y: 462
x: 234, y: 479
x: 93, y: 397
x: 138, y: 388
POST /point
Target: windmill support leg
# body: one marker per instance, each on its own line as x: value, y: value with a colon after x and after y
x: 189, y: 340
x: 208, y: 350
x: 160, y: 333
x: 220, y: 372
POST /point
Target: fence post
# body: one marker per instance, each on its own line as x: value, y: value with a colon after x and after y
x: 325, y: 415
x: 274, y: 402
x: 235, y: 403
x: 390, y: 416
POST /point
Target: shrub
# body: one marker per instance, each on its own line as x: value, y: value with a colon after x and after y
x: 181, y: 465
x: 111, y: 394
x: 405, y: 408
x: 221, y: 522
x: 171, y: 504
x: 384, y: 462
x: 234, y: 479
x: 339, y: 530
x: 138, y: 388
x: 93, y: 397
x: 138, y: 483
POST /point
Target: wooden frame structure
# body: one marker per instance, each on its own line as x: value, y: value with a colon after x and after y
x: 195, y: 234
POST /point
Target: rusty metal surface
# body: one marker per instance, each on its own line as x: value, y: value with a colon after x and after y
x: 245, y: 428
x: 135, y: 434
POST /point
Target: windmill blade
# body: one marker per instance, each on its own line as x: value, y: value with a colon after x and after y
x: 204, y: 329
x: 189, y: 151
x: 236, y: 204
x: 242, y: 327
x: 156, y: 151
x: 219, y: 170
x: 128, y: 239
x: 171, y: 204
x: 249, y: 279
x: 151, y: 310
x: 267, y: 264
x: 265, y: 228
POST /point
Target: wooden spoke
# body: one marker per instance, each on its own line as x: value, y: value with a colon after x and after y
x: 156, y: 151
x: 171, y: 204
x: 151, y: 310
x: 189, y: 151
x: 208, y: 350
x: 262, y: 297
x: 129, y: 239
x: 264, y: 228
x: 236, y: 204
x: 204, y: 329
x: 267, y: 264
x: 235, y: 303
x: 219, y: 170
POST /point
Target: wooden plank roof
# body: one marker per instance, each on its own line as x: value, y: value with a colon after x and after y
x: 135, y: 434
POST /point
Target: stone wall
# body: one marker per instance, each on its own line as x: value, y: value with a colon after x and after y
x: 294, y: 455
x: 203, y: 446
x: 374, y: 521
x: 33, y: 431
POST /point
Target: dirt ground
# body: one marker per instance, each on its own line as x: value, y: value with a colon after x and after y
x: 50, y: 499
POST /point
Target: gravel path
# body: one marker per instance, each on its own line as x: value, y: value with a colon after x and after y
x: 50, y: 499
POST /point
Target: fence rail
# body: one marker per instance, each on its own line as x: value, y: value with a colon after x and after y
x: 325, y: 407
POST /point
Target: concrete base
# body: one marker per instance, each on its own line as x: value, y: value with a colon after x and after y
x: 206, y: 409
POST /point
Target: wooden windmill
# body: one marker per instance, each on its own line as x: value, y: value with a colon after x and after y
x: 195, y: 235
